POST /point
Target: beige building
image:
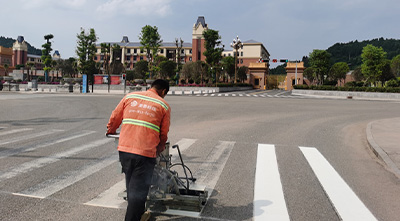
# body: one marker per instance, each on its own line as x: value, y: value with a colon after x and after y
x: 251, y: 52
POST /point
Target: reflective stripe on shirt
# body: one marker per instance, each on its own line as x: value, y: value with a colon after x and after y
x: 138, y: 96
x: 141, y: 123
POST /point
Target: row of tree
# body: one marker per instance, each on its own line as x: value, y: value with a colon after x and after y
x: 215, y: 69
x: 375, y: 67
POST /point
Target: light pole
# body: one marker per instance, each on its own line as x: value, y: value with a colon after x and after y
x: 236, y: 44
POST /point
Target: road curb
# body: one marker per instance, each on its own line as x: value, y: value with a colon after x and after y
x: 380, y: 153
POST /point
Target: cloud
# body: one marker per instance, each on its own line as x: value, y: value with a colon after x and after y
x: 59, y: 4
x: 112, y: 8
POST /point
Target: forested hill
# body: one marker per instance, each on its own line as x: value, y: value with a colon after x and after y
x: 8, y: 43
x: 351, y: 52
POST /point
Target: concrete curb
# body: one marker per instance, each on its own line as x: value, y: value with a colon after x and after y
x: 380, y: 153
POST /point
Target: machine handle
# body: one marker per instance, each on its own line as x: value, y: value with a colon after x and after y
x: 113, y: 135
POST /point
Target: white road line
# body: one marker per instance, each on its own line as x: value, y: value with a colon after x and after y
x: 110, y: 198
x: 255, y: 95
x: 31, y: 165
x: 211, y: 169
x: 262, y: 95
x: 183, y: 144
x: 30, y: 136
x: 240, y: 95
x: 347, y: 204
x: 233, y: 95
x: 212, y: 95
x: 269, y: 202
x: 10, y: 152
x: 219, y: 95
x: 15, y: 131
x: 49, y: 187
x: 248, y: 95
x: 280, y: 93
x: 226, y: 95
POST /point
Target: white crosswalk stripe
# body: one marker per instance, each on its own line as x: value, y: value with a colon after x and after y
x: 14, y: 131
x: 28, y: 137
x: 9, y: 152
x: 346, y: 202
x: 268, y: 199
x: 31, y: 165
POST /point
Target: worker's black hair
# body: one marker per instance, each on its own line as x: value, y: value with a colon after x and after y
x: 160, y: 84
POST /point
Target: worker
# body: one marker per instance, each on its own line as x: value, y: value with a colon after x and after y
x: 145, y: 118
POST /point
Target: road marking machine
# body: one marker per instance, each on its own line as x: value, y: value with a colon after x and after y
x: 173, y: 186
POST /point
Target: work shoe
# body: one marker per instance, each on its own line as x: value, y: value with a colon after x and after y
x: 146, y: 216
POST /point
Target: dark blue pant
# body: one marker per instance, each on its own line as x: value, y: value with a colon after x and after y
x: 138, y: 173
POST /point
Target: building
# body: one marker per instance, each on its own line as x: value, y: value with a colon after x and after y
x: 251, y: 52
x: 6, y: 55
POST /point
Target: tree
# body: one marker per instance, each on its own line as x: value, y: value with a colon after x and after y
x: 140, y: 70
x: 387, y: 73
x: 309, y: 73
x: 5, y: 66
x: 179, y: 45
x: 320, y: 62
x: 46, y: 57
x: 338, y: 71
x: 242, y: 73
x: 373, y: 60
x: 167, y: 69
x: 228, y: 63
x: 86, y: 50
x: 357, y: 75
x: 151, y: 41
x: 213, y: 49
x: 395, y: 65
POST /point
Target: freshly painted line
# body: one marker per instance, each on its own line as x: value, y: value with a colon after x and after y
x: 49, y: 187
x: 30, y: 136
x: 255, y: 95
x: 269, y: 201
x: 262, y: 95
x: 110, y: 198
x: 234, y: 95
x: 31, y: 165
x: 219, y: 95
x: 10, y: 152
x: 211, y: 169
x: 226, y: 95
x: 15, y: 131
x: 240, y: 95
x: 212, y: 95
x: 348, y: 205
x: 248, y: 95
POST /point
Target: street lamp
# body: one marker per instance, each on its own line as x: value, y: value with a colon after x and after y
x: 236, y: 44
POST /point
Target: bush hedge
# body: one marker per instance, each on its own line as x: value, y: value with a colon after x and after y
x: 349, y: 88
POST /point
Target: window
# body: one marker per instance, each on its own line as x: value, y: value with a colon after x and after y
x: 183, y: 51
x: 101, y: 57
x: 241, y: 53
x: 241, y: 61
x: 128, y: 50
x: 95, y: 58
x: 128, y: 58
x: 162, y: 51
x: 134, y: 58
x: 141, y: 57
x: 135, y: 50
x: 190, y: 51
x: 190, y: 58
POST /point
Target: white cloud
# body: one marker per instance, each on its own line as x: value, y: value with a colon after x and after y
x: 134, y: 7
x: 63, y: 4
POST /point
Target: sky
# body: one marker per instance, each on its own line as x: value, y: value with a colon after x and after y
x: 288, y: 29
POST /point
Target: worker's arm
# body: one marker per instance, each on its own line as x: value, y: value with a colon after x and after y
x: 165, y: 123
x: 116, y: 118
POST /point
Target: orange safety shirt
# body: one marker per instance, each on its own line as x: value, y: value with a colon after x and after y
x: 145, y: 118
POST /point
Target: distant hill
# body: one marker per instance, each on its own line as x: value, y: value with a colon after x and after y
x: 8, y: 43
x: 351, y: 52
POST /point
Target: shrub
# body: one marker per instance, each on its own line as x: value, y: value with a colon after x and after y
x: 393, y: 83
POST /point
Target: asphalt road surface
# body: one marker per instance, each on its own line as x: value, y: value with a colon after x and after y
x: 277, y: 157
